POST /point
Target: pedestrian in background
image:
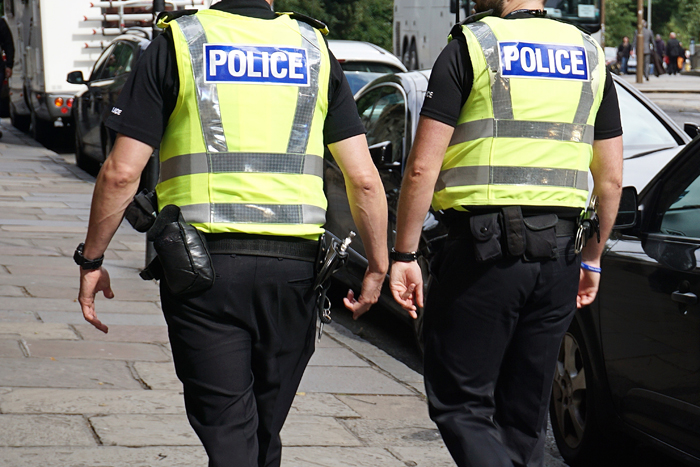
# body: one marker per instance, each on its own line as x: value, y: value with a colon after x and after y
x: 673, y: 50
x: 504, y: 149
x: 660, y: 48
x: 648, y: 46
x: 240, y: 101
x: 8, y: 47
x: 623, y: 54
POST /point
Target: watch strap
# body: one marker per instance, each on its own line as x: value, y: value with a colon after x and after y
x: 403, y: 257
x: 83, y: 262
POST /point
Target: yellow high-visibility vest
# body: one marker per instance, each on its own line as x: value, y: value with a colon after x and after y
x: 243, y: 149
x: 525, y: 134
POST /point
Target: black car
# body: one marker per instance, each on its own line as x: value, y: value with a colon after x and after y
x: 91, y: 107
x: 630, y: 363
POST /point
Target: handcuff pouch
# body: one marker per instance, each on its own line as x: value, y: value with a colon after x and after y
x: 182, y: 250
x: 486, y: 231
x: 141, y: 212
x: 540, y: 238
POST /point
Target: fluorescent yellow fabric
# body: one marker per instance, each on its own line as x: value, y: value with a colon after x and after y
x: 550, y: 103
x: 256, y: 119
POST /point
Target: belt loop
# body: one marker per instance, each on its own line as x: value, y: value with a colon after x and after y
x: 513, y: 227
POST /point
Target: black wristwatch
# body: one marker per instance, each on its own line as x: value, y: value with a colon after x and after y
x: 403, y: 257
x: 83, y: 262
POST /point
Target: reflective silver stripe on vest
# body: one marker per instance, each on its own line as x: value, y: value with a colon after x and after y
x: 491, y: 128
x: 500, y: 87
x: 253, y: 214
x: 306, y: 101
x: 525, y: 176
x: 189, y: 164
x: 207, y: 93
x: 587, y: 92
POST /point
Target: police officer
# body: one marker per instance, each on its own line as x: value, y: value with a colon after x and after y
x: 240, y: 101
x: 517, y: 109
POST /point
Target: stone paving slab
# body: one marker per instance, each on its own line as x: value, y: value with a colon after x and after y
x: 433, y: 456
x: 44, y: 430
x: 158, y: 376
x: 17, y: 316
x: 76, y: 317
x: 90, y: 401
x: 161, y: 456
x: 337, y: 357
x: 54, y: 373
x: 37, y: 330
x: 10, y: 348
x: 349, y: 380
x: 305, y: 430
x: 324, y: 405
x: 387, y: 407
x: 128, y: 295
x: 120, y: 333
x: 11, y: 291
x: 396, y: 368
x: 338, y: 457
x: 96, y: 350
x: 62, y: 304
x: 139, y: 430
x: 384, y: 433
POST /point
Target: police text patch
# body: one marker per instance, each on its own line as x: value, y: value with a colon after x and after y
x: 256, y: 64
x: 555, y: 61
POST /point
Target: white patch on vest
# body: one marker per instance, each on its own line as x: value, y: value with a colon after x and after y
x: 256, y: 64
x: 553, y: 61
x: 116, y: 111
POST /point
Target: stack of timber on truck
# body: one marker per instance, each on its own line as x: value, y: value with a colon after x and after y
x: 55, y: 37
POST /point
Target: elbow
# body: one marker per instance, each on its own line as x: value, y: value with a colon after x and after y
x: 118, y: 175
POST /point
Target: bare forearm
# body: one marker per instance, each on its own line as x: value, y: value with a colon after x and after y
x: 369, y: 211
x: 114, y: 189
x: 607, y: 175
x: 422, y: 171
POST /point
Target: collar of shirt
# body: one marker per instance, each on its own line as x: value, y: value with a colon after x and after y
x: 526, y: 14
x: 253, y: 8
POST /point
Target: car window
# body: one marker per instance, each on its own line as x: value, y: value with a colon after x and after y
x: 118, y: 62
x: 642, y: 130
x: 383, y: 113
x: 682, y: 217
x: 100, y: 62
x: 372, y: 67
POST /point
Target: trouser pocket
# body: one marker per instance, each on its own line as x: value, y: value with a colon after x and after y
x: 540, y: 238
x: 486, y: 232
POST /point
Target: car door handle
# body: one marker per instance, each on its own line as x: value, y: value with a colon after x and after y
x: 687, y: 298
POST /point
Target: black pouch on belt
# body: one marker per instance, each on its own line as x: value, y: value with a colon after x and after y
x: 487, y: 237
x: 141, y: 213
x: 541, y: 238
x: 182, y: 252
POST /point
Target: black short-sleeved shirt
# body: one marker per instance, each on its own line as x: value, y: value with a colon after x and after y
x: 150, y: 94
x: 452, y: 78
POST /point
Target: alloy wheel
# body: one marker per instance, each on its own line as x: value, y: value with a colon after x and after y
x: 569, y: 392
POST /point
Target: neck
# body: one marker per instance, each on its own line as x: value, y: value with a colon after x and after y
x: 513, y: 5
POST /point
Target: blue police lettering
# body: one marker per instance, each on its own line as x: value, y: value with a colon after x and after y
x: 555, y: 61
x: 256, y: 64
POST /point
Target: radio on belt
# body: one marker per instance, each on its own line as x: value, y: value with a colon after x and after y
x: 256, y: 64
x: 534, y: 60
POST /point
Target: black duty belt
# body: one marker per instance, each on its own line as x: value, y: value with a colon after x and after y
x: 459, y: 225
x: 263, y: 245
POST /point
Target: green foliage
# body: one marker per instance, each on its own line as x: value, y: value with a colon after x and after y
x: 360, y: 20
x: 620, y: 21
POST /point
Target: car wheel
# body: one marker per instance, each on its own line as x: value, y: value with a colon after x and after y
x: 21, y: 122
x: 81, y: 159
x: 576, y: 424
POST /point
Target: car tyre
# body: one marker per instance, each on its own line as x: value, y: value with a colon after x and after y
x: 21, y: 122
x: 81, y: 159
x: 42, y: 131
x: 577, y: 424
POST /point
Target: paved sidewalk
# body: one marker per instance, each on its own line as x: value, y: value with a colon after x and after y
x: 72, y: 396
x: 684, y: 83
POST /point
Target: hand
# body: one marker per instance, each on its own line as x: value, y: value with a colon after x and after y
x: 371, y: 288
x: 8, y: 72
x: 406, y: 284
x: 92, y: 282
x: 587, y: 288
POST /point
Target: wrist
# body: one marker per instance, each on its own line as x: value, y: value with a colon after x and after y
x: 85, y: 262
x: 403, y: 257
x: 590, y: 267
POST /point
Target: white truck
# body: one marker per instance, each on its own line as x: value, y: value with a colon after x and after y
x: 421, y: 27
x: 55, y: 37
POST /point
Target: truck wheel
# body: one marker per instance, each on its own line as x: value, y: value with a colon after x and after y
x: 21, y: 122
x: 42, y: 131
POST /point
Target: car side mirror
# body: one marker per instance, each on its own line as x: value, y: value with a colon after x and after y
x: 691, y: 129
x: 627, y: 213
x: 381, y: 155
x: 76, y: 77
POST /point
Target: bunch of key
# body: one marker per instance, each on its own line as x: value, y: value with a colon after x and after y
x: 588, y: 225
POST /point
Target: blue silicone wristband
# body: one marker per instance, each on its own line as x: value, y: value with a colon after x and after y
x: 588, y: 267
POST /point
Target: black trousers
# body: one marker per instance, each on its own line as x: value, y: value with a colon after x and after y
x: 240, y: 350
x: 492, y: 334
